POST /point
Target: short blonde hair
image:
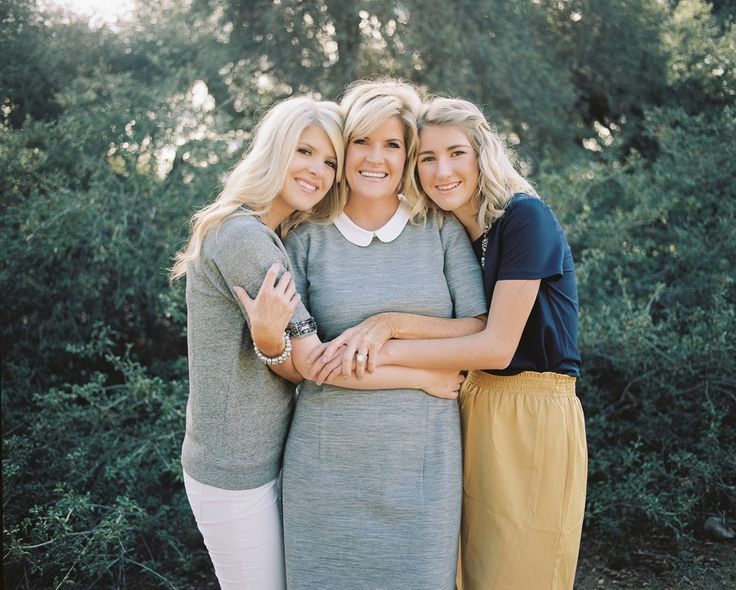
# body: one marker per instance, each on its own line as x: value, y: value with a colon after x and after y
x: 367, y: 104
x: 498, y: 179
x: 259, y: 177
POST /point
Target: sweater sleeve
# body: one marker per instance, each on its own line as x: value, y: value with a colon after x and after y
x: 241, y: 251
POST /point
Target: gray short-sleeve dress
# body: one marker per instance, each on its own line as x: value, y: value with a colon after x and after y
x: 372, y: 480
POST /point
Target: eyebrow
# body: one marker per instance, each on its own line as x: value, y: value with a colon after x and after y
x: 311, y: 147
x: 397, y: 140
x: 449, y: 147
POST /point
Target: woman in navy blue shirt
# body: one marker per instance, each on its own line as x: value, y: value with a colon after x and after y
x: 525, y: 454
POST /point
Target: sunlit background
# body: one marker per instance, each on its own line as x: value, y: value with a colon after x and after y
x: 98, y: 12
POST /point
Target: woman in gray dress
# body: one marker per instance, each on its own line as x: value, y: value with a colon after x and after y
x: 372, y: 480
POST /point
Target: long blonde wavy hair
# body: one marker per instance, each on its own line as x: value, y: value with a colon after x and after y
x: 498, y: 179
x: 368, y: 104
x: 259, y: 177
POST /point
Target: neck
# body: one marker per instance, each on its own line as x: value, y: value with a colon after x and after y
x: 371, y: 214
x: 277, y: 212
x: 468, y: 216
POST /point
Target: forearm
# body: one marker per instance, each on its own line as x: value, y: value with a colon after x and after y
x: 271, y: 344
x: 411, y: 326
x: 386, y: 377
x: 493, y: 348
x: 475, y: 351
x: 287, y: 370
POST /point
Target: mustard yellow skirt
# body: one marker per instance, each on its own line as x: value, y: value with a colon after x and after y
x: 525, y: 474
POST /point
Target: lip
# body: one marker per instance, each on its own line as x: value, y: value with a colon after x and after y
x: 306, y: 185
x: 446, y: 188
x: 373, y: 174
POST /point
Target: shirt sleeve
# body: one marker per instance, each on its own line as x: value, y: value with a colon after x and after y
x: 531, y: 242
x: 243, y: 252
x: 462, y: 271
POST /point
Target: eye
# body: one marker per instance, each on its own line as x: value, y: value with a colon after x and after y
x: 394, y: 145
x: 332, y: 164
x: 424, y: 159
x: 458, y: 153
x: 360, y: 141
x: 305, y: 151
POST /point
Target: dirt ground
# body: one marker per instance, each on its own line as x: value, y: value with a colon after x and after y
x: 710, y: 566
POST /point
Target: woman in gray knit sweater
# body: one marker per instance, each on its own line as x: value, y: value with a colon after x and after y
x: 239, y: 406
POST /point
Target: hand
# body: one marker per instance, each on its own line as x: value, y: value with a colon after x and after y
x: 366, y: 339
x: 443, y: 384
x: 325, y: 370
x: 271, y: 310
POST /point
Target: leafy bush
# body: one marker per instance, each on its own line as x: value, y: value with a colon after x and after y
x: 655, y: 245
x: 92, y: 484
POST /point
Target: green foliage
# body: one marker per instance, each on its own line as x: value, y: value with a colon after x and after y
x: 110, y: 141
x: 92, y: 483
x: 655, y: 248
x: 702, y: 64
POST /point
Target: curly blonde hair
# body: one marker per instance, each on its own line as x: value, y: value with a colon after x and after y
x: 498, y: 179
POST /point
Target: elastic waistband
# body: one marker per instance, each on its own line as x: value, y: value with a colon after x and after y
x: 526, y: 383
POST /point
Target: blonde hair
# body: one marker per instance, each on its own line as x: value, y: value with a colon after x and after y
x: 368, y: 104
x: 259, y: 177
x: 498, y: 179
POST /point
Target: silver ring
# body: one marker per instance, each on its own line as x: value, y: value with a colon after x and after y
x: 361, y: 358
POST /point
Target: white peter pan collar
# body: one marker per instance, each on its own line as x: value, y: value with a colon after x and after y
x: 387, y: 233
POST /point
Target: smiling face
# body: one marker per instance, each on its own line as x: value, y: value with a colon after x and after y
x: 374, y: 163
x: 310, y: 173
x: 447, y: 166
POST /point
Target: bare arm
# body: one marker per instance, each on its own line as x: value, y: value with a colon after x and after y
x: 438, y: 383
x: 269, y: 314
x: 367, y: 338
x: 493, y: 348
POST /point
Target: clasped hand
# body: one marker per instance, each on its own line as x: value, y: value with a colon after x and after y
x: 270, y: 311
x: 355, y: 351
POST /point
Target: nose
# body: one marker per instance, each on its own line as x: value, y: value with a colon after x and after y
x: 444, y: 169
x: 315, y: 167
x: 375, y: 155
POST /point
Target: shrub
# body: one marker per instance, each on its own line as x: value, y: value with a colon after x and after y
x: 654, y: 244
x: 93, y: 486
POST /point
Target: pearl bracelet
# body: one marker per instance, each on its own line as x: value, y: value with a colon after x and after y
x: 275, y: 360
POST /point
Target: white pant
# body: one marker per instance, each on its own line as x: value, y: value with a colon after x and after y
x: 243, y: 533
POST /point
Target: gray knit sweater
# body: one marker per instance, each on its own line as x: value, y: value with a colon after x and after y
x: 238, y: 411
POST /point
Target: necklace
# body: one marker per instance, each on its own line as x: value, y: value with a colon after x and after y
x: 484, y: 247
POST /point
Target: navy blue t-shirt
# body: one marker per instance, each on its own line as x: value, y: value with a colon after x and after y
x: 528, y: 243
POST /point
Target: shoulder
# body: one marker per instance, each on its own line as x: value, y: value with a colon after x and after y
x: 304, y: 233
x: 300, y: 231
x: 528, y: 211
x: 451, y: 224
x: 237, y: 233
x: 522, y: 203
x: 451, y: 228
x: 242, y: 228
